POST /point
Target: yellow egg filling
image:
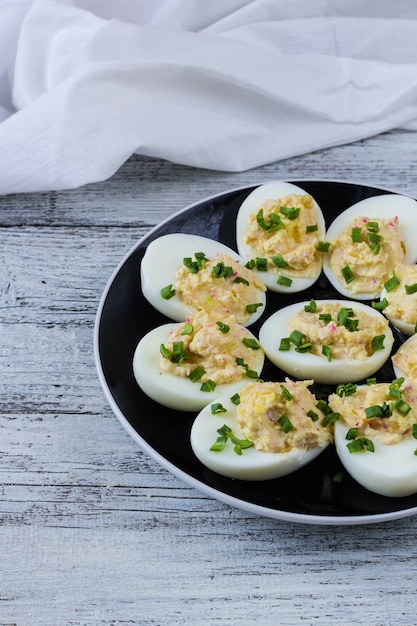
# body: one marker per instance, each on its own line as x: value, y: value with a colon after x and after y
x: 278, y: 417
x: 347, y: 332
x: 402, y: 299
x: 220, y: 286
x: 207, y: 349
x: 362, y: 257
x: 285, y: 232
x: 381, y: 411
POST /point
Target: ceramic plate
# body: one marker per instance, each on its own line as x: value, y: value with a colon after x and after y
x: 311, y: 495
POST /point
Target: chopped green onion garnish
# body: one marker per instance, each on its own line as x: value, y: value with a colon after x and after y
x: 167, y: 292
x: 345, y: 389
x: 371, y: 381
x: 285, y: 423
x: 196, y: 374
x: 330, y: 418
x: 164, y: 351
x: 343, y: 316
x: 285, y: 393
x: 392, y: 283
x: 372, y: 227
x: 356, y: 235
x: 224, y: 328
x: 362, y: 443
x: 325, y: 317
x: 312, y: 228
x: 409, y: 289
x: 275, y: 223
x: 383, y: 410
x: 290, y: 213
x: 297, y: 338
x: 313, y: 415
x: 217, y: 408
x: 251, y: 343
x: 352, y: 433
x: 226, y: 433
x: 402, y: 407
x: 208, y: 386
x: 323, y: 246
x: 323, y: 407
x: 326, y: 351
x: 338, y: 477
x: 311, y: 307
x: 235, y: 399
x: 188, y: 329
x: 240, y: 279
x: 414, y: 431
x: 347, y: 274
x: 252, y: 308
x: 279, y: 261
x: 305, y: 347
x: 222, y: 271
x: 378, y: 342
x: 284, y: 280
x: 261, y: 264
x: 379, y: 306
x: 375, y: 248
x: 285, y: 344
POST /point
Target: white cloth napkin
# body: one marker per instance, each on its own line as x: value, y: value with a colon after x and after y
x: 223, y: 85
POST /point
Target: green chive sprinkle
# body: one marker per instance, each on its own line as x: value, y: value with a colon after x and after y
x: 167, y: 292
x: 313, y: 415
x: 251, y: 343
x: 360, y: 444
x: 297, y: 337
x: 381, y: 305
x: 188, y: 329
x: 312, y: 228
x: 311, y: 307
x: 284, y: 280
x: 235, y: 399
x: 217, y: 408
x: 326, y: 351
x: 196, y: 374
x: 392, y: 283
x: 330, y: 418
x: 285, y: 423
x: 240, y: 279
x: 378, y: 342
x: 285, y: 393
x: 279, y: 261
x: 409, y: 289
x: 208, y: 386
x: 323, y: 246
x: 224, y: 328
x: 285, y: 344
x: 356, y: 235
x: 347, y: 274
x: 252, y: 308
x: 352, y: 433
x: 414, y: 431
x: 261, y: 264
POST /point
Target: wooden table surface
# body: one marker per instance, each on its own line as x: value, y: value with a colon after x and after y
x: 93, y: 530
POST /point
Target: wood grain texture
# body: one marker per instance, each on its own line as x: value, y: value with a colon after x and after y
x: 92, y: 530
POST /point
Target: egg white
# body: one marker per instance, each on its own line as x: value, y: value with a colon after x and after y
x: 164, y: 256
x: 406, y: 327
x: 391, y: 470
x: 172, y: 391
x: 251, y: 205
x: 252, y: 464
x: 310, y: 366
x: 409, y: 347
x: 384, y: 207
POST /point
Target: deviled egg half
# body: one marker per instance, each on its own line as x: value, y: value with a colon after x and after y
x: 367, y: 241
x: 267, y: 431
x: 398, y: 298
x: 182, y: 274
x: 279, y: 230
x: 375, y: 436
x: 186, y: 365
x: 327, y: 340
x: 404, y: 361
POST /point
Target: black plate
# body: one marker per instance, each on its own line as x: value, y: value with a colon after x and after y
x: 311, y: 495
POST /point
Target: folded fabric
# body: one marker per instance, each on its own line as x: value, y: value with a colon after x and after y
x: 226, y: 86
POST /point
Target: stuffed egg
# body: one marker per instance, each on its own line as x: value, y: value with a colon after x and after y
x: 375, y: 436
x: 399, y: 298
x: 185, y: 365
x: 331, y: 341
x: 367, y: 240
x: 182, y: 274
x: 268, y: 430
x: 404, y: 360
x: 279, y: 229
